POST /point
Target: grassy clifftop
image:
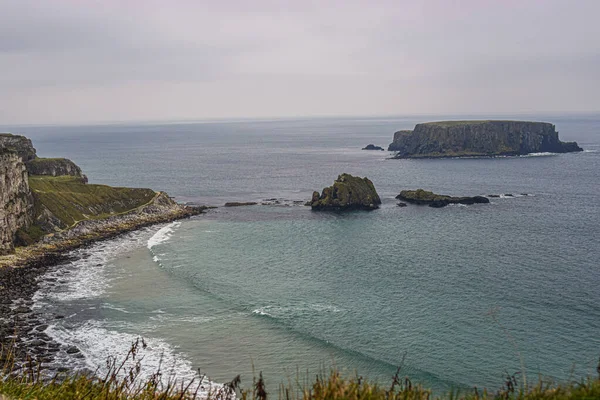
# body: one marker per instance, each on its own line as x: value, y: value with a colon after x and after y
x: 71, y: 200
x: 62, y: 201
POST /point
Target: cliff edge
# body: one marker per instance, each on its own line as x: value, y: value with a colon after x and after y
x: 16, y: 200
x: 48, y: 201
x: 478, y: 139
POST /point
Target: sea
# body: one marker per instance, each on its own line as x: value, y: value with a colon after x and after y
x: 458, y: 297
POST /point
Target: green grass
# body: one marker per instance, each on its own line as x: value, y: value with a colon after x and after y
x: 121, y: 382
x: 448, y: 124
x: 70, y: 200
x: 44, y: 160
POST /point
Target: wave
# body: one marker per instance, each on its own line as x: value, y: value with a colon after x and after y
x: 542, y: 154
x: 590, y: 151
x: 510, y: 196
x: 163, y: 234
x: 96, y: 343
x: 291, y: 311
x: 86, y: 276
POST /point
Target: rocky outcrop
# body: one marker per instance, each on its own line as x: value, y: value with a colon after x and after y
x: 347, y: 193
x: 43, y: 197
x: 372, y: 147
x: 54, y: 167
x: 424, y: 197
x: 240, y: 204
x: 36, y: 165
x: 16, y: 201
x: 478, y: 139
x: 19, y: 144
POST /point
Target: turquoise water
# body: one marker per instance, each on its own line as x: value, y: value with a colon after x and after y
x: 462, y: 294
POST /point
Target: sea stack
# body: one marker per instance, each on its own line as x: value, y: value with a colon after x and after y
x: 479, y: 139
x: 347, y: 193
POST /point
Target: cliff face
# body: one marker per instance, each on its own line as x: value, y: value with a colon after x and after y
x: 19, y: 144
x: 54, y: 167
x: 16, y: 201
x: 479, y: 138
x: 48, y: 195
x: 36, y: 165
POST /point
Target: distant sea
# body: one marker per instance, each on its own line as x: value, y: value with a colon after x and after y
x: 464, y: 294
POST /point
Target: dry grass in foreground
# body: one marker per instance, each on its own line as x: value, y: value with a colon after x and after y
x: 123, y: 381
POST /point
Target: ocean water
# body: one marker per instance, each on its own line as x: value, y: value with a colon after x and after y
x: 459, y: 296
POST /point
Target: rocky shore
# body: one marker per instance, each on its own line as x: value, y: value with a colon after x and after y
x: 22, y: 328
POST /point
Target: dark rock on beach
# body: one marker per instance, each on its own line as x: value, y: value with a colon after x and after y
x: 347, y: 193
x: 423, y: 197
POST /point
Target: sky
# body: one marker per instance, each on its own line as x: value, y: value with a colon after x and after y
x: 78, y: 61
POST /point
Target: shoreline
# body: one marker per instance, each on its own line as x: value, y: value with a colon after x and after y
x: 22, y: 328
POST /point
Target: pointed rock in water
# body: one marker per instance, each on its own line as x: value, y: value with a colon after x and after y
x: 347, y: 193
x: 424, y: 197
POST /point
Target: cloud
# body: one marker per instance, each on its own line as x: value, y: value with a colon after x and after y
x: 77, y: 61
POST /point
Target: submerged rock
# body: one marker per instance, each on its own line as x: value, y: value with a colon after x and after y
x: 347, y: 193
x: 240, y: 204
x: 373, y: 147
x: 424, y: 197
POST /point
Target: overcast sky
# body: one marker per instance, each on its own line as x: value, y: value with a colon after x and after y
x: 71, y: 61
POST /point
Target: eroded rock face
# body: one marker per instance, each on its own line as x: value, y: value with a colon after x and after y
x: 424, y: 197
x: 36, y: 165
x: 19, y: 144
x: 479, y: 138
x: 16, y: 201
x: 347, y: 193
x: 54, y: 167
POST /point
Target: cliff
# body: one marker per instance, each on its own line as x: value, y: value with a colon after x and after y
x: 347, y: 193
x: 478, y: 138
x: 54, y: 167
x: 19, y: 144
x: 16, y: 201
x: 50, y: 198
x: 35, y: 165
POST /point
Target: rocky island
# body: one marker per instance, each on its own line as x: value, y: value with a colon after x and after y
x: 424, y: 197
x: 478, y: 139
x: 373, y: 147
x: 347, y: 193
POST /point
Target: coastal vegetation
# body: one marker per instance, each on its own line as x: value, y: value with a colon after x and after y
x: 122, y: 381
x: 70, y: 200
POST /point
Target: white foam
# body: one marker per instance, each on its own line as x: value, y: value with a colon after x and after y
x: 542, y: 154
x: 163, y: 234
x: 283, y: 311
x: 97, y: 343
x: 87, y: 276
x: 590, y: 151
